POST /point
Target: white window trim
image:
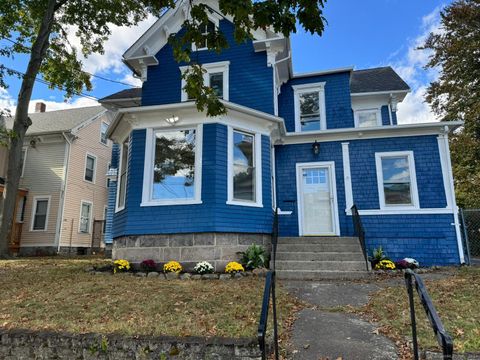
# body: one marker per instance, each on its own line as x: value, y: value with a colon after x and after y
x: 148, y: 168
x: 90, y: 219
x: 378, y: 111
x: 119, y: 174
x: 94, y: 168
x: 25, y: 148
x: 103, y: 143
x: 299, y: 89
x: 413, y: 180
x: 258, y: 169
x: 216, y: 67
x: 216, y: 21
x: 34, y: 210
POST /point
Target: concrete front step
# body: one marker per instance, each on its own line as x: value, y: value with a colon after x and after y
x: 321, y: 265
x: 321, y: 275
x: 329, y: 240
x: 319, y: 247
x: 320, y: 256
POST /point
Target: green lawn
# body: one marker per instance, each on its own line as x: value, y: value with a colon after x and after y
x: 457, y: 300
x: 58, y: 295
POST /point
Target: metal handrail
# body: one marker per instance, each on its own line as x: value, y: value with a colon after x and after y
x: 269, y: 293
x: 443, y: 338
x: 359, y: 231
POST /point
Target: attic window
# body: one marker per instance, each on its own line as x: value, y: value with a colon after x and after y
x: 216, y: 76
x: 206, y: 30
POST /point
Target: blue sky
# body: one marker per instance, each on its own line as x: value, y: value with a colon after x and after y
x: 364, y: 34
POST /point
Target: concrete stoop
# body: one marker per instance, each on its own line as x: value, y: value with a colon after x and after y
x: 317, y: 258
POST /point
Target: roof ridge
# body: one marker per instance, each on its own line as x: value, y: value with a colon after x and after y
x: 374, y: 68
x: 60, y: 110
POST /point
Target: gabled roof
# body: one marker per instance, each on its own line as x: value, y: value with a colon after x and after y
x: 381, y: 79
x: 60, y: 120
x: 133, y: 93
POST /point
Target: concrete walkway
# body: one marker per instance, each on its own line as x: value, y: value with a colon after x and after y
x: 322, y: 334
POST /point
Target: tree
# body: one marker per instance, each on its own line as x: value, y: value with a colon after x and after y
x: 40, y: 28
x: 456, y: 93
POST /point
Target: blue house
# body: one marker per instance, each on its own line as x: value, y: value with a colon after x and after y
x: 192, y: 188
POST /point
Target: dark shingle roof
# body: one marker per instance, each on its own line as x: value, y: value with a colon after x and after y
x: 124, y: 94
x: 377, y: 79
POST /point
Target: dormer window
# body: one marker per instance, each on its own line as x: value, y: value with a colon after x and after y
x: 367, y: 118
x: 216, y: 77
x: 310, y: 107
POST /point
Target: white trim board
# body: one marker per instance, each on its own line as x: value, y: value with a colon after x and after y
x: 119, y: 174
x: 347, y: 176
x: 424, y: 211
x: 335, y: 213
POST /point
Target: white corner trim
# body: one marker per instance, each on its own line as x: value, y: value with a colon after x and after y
x: 424, y: 211
x: 90, y: 222
x: 25, y: 148
x: 211, y: 68
x: 413, y: 180
x: 87, y: 155
x: 34, y: 210
x: 357, y: 112
x: 258, y: 168
x: 442, y: 151
x: 299, y: 89
x: 347, y: 177
x: 119, y: 176
x: 147, y: 188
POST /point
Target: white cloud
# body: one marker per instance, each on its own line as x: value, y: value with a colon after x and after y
x: 410, y: 66
x: 6, y: 100
x: 130, y: 79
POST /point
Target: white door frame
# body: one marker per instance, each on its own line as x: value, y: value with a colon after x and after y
x: 333, y: 188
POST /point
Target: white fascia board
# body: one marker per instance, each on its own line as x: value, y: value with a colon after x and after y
x: 370, y: 133
x: 401, y: 94
x: 323, y: 72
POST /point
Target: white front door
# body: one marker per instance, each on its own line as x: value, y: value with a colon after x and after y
x: 317, y: 199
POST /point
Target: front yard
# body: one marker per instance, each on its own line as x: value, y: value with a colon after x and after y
x: 58, y: 295
x: 456, y: 298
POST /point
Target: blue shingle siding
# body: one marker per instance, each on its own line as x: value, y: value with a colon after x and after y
x: 210, y: 216
x: 427, y: 165
x: 250, y: 83
x: 430, y: 239
x: 286, y: 158
x: 337, y: 100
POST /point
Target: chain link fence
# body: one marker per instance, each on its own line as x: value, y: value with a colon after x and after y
x: 470, y: 220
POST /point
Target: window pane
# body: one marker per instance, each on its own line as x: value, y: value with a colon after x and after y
x: 85, y: 218
x: 103, y: 133
x: 309, y: 111
x: 396, y: 180
x: 89, y: 170
x: 243, y: 167
x: 40, y: 219
x: 367, y: 118
x: 216, y: 83
x: 174, y: 165
x: 122, y: 187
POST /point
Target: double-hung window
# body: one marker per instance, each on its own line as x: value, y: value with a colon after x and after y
x: 216, y: 77
x: 396, y: 178
x: 85, y: 217
x: 122, y: 175
x: 207, y: 29
x: 173, y: 167
x: 244, y: 168
x: 103, y: 133
x: 310, y: 107
x: 90, y: 165
x: 368, y: 118
x: 41, y: 206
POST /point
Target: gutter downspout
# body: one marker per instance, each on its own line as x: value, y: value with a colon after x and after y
x: 66, y: 164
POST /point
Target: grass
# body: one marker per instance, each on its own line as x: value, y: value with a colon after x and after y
x: 58, y: 295
x: 457, y: 300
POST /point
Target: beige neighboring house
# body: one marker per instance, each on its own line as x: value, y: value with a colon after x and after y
x: 66, y: 158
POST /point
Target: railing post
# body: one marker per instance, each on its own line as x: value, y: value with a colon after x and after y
x: 274, y: 311
x: 409, y: 283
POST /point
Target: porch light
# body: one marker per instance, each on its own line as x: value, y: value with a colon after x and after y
x: 172, y: 120
x: 316, y: 148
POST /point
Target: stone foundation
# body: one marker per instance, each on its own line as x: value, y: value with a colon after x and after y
x: 26, y: 345
x: 216, y: 248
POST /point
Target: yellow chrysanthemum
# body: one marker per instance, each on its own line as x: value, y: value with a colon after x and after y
x: 121, y: 265
x: 234, y: 267
x: 385, y: 265
x: 172, y: 266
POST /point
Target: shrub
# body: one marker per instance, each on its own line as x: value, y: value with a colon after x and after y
x: 377, y: 255
x: 385, y: 264
x: 254, y: 257
x: 148, y: 265
x: 203, y: 267
x: 234, y: 267
x: 121, y: 265
x: 172, y: 266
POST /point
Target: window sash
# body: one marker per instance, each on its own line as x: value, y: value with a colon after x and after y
x: 244, y: 186
x: 90, y: 168
x: 41, y: 212
x: 103, y: 133
x: 310, y: 112
x: 364, y: 118
x: 397, y: 180
x: 85, y: 217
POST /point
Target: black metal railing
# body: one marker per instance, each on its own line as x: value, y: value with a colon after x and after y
x: 269, y: 294
x: 443, y: 338
x: 360, y: 232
